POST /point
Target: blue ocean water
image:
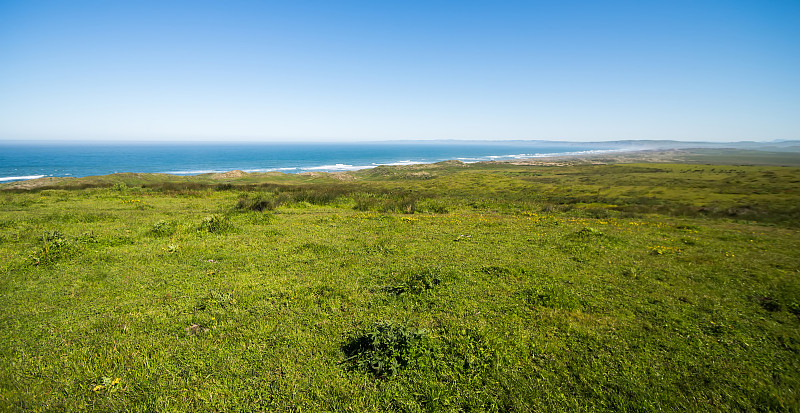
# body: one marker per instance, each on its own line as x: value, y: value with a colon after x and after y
x: 19, y: 161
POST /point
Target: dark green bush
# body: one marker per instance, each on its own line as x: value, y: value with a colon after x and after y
x: 384, y: 348
x: 257, y: 203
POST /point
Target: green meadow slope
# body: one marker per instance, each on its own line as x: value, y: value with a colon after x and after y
x: 445, y: 287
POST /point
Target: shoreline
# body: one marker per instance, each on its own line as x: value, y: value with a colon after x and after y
x: 337, y: 167
x: 598, y: 157
x: 196, y: 160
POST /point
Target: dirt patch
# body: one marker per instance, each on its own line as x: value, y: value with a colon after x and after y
x: 36, y: 183
x: 313, y: 174
x: 343, y: 176
x: 195, y: 330
x: 340, y: 176
x: 230, y: 174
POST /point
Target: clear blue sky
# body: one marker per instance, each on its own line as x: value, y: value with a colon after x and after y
x: 374, y: 70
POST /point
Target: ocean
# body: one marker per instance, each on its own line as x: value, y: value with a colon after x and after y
x: 20, y: 161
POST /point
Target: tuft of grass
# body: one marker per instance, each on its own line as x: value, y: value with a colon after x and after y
x: 550, y: 295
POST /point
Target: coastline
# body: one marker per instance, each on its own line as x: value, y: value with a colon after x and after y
x: 686, y: 156
x: 28, y: 162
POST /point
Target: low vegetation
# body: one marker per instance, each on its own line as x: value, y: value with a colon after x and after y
x: 449, y: 287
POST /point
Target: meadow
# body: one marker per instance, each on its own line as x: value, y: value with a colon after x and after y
x: 446, y: 287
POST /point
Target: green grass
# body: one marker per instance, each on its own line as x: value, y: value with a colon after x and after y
x: 446, y: 287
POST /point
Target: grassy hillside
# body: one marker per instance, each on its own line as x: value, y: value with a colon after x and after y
x: 447, y: 287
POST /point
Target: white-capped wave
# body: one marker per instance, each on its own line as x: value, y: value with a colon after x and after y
x: 20, y: 178
x: 340, y: 167
x: 399, y: 163
x: 538, y: 155
x: 336, y: 167
x: 268, y: 169
x: 195, y: 172
x: 587, y: 152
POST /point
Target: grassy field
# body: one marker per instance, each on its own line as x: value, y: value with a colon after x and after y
x: 446, y: 287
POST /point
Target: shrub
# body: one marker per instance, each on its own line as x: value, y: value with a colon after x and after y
x: 794, y: 308
x: 436, y: 206
x: 162, y: 228
x: 384, y: 348
x: 214, y: 223
x: 320, y: 195
x: 258, y: 203
x: 588, y: 232
x: 313, y: 194
x: 769, y: 303
x: 53, y: 246
x: 406, y: 204
x: 366, y: 202
x: 403, y: 203
x: 423, y: 281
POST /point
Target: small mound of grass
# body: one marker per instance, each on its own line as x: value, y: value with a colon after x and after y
x: 496, y: 270
x: 550, y: 296
x: 215, y: 299
x: 316, y: 248
x: 384, y: 348
x: 418, y: 282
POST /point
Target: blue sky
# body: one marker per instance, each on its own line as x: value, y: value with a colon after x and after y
x: 376, y: 70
